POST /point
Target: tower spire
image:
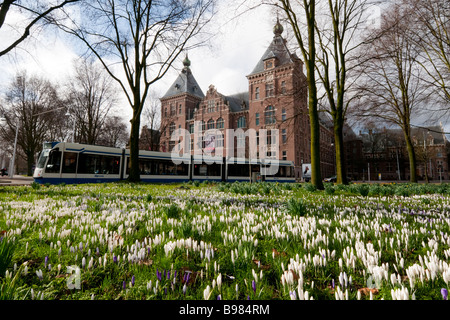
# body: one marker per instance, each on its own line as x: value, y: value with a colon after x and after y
x: 278, y: 28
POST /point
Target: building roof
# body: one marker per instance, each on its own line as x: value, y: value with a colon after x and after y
x: 277, y: 49
x: 185, y: 83
x: 236, y: 101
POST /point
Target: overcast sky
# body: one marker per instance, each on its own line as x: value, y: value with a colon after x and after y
x: 236, y: 47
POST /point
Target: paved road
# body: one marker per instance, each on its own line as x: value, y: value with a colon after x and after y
x: 15, y: 181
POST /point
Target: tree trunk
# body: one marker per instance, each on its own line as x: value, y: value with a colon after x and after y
x: 134, y: 175
x: 341, y: 172
x: 316, y: 177
x: 412, y: 158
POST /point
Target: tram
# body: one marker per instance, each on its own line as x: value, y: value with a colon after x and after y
x: 73, y: 163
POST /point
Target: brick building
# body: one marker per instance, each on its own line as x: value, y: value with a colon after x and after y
x: 276, y: 99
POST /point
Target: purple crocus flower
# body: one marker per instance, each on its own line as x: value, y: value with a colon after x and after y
x: 219, y: 297
x: 254, y: 286
x: 444, y: 293
x: 168, y: 275
x: 133, y: 279
x: 332, y: 283
x: 124, y: 285
x: 115, y: 259
x: 46, y: 261
x: 158, y: 274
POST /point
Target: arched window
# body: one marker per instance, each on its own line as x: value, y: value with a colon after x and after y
x: 269, y: 115
x: 241, y: 122
x: 210, y: 124
x: 220, y: 124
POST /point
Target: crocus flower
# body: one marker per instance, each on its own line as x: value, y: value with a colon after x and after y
x: 133, y: 279
x: 444, y: 293
x: 254, y: 286
x: 124, y: 285
x: 46, y: 261
x: 158, y: 274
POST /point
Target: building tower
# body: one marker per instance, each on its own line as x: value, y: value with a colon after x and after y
x: 178, y: 105
x: 278, y: 100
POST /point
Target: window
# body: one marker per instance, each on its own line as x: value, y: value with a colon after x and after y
x: 98, y: 164
x: 210, y: 124
x: 257, y: 119
x: 54, y: 162
x: 171, y: 145
x: 220, y: 123
x: 191, y: 128
x: 180, y: 108
x: 284, y: 155
x: 171, y: 128
x: 283, y: 135
x: 173, y: 110
x: 283, y: 115
x: 283, y: 87
x: 241, y: 122
x: 203, y: 126
x: 219, y: 141
x: 240, y: 140
x: 211, y: 106
x: 269, y: 115
x: 269, y: 89
x: 69, y: 162
x: 165, y: 112
x: 257, y: 93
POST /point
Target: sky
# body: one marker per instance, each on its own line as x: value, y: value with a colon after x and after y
x: 237, y: 45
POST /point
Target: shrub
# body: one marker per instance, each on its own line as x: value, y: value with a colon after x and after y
x: 310, y: 187
x: 173, y: 211
x: 363, y: 189
x: 296, y: 207
x: 35, y: 185
x: 329, y: 189
x: 6, y: 254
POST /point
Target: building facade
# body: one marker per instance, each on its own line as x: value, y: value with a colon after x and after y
x: 276, y: 99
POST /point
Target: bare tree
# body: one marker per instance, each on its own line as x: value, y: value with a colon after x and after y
x: 296, y: 12
x: 36, y: 13
x: 338, y: 33
x: 151, y: 130
x: 90, y: 98
x: 432, y: 22
x: 392, y: 84
x: 113, y: 133
x: 30, y: 105
x: 137, y: 43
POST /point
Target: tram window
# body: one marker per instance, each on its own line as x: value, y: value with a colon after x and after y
x: 214, y: 169
x: 54, y: 162
x: 69, y: 162
x: 238, y: 170
x: 98, y: 164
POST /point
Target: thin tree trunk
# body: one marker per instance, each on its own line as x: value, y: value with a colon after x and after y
x: 341, y: 172
x: 411, y: 156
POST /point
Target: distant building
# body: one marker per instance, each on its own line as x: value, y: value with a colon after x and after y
x: 386, y: 158
x: 276, y: 99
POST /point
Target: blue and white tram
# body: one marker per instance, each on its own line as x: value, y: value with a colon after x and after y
x: 74, y: 163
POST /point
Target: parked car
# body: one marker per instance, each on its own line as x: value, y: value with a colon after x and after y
x: 334, y: 179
